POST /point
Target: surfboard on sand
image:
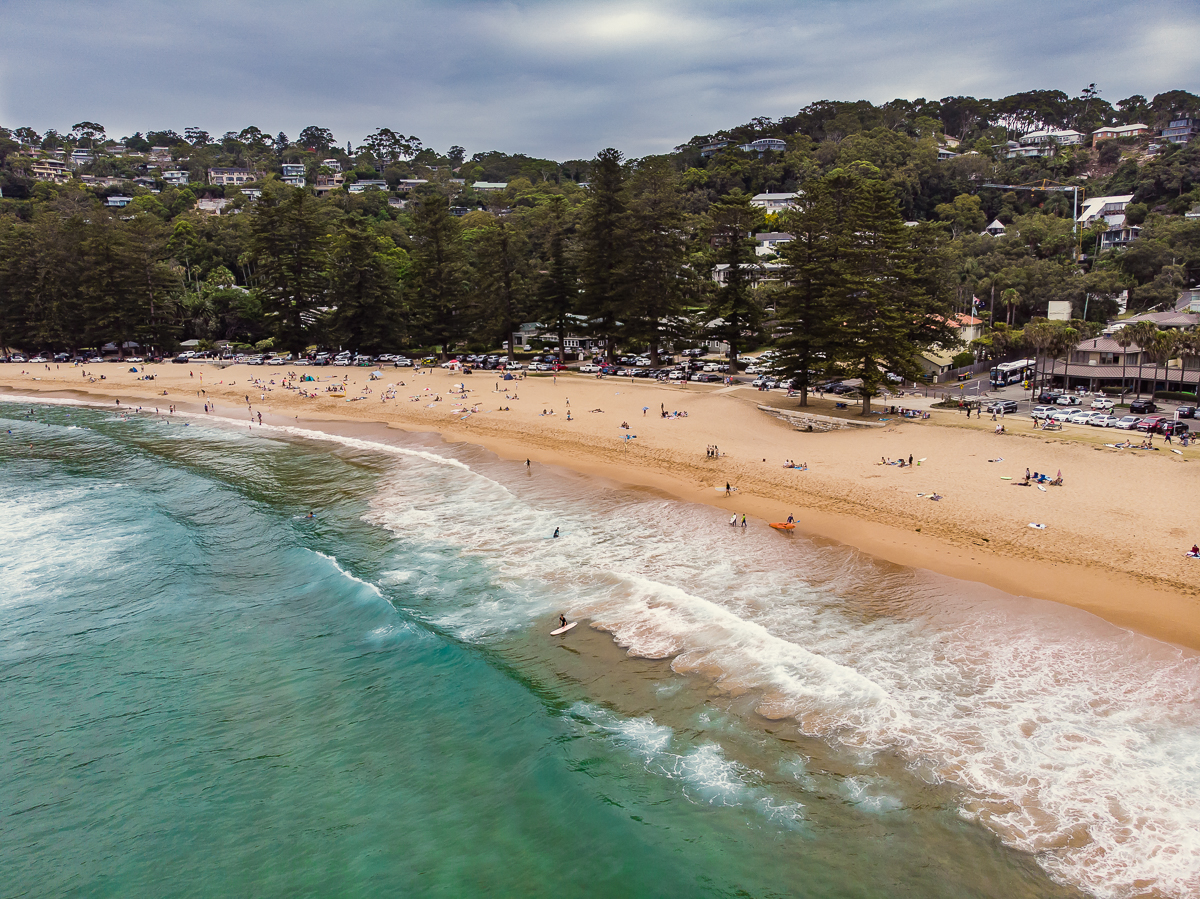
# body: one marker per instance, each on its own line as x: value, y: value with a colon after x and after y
x: 782, y: 526
x: 1177, y: 452
x: 722, y: 489
x: 1003, y: 478
x: 563, y: 630
x: 1041, y: 488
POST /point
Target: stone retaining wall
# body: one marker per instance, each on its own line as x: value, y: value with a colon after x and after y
x: 810, y: 421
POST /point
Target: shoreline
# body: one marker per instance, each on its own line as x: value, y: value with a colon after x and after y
x: 833, y: 504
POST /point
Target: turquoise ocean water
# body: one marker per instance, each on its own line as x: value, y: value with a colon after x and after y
x: 203, y: 692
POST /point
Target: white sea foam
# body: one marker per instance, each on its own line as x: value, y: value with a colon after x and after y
x: 1070, y: 739
x: 706, y: 773
x: 349, y: 575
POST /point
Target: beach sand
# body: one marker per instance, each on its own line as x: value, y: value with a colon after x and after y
x: 1115, y: 535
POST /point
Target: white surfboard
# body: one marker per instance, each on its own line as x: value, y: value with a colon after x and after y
x: 563, y: 630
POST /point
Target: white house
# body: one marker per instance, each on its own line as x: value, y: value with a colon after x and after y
x: 763, y: 144
x: 178, y: 177
x: 774, y: 202
x: 232, y: 176
x: 1063, y: 138
x: 118, y: 201
x: 1112, y: 211
x: 293, y: 174
x: 486, y: 186
x: 369, y: 184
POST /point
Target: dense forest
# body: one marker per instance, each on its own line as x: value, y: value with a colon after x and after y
x: 889, y: 223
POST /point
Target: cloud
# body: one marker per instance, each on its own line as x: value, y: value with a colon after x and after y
x: 551, y: 77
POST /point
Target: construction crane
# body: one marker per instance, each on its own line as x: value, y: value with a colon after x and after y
x: 1053, y: 187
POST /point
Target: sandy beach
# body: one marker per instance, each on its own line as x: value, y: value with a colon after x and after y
x: 1115, y: 534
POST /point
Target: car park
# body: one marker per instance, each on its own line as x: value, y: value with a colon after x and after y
x: 1003, y: 407
x: 1102, y: 404
x: 1104, y: 420
x: 1141, y: 407
x: 1128, y: 422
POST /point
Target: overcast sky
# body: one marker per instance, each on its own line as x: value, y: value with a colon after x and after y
x: 557, y: 78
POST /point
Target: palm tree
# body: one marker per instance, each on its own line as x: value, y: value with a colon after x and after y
x: 1063, y: 339
x: 1165, y: 345
x: 1037, y: 336
x: 1189, y: 345
x: 1123, y: 337
x: 1144, y: 334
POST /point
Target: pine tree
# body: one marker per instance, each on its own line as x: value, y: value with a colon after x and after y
x: 440, y: 275
x: 364, y: 287
x: 502, y: 280
x: 558, y: 289
x: 289, y: 249
x: 734, y: 308
x: 655, y: 246
x: 602, y: 253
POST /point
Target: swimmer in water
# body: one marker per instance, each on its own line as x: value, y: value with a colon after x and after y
x: 311, y: 515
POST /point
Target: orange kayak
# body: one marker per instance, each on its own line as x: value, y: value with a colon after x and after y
x: 782, y: 526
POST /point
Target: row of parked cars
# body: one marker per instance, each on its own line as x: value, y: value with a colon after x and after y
x: 1103, y: 418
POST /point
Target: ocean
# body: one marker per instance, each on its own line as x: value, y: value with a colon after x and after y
x: 203, y: 691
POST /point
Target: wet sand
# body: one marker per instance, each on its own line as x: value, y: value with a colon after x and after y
x: 1115, y: 534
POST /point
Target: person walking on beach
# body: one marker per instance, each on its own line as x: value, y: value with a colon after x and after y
x: 728, y: 489
x: 743, y: 519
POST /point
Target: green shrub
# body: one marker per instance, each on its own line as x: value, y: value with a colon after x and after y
x: 1175, y: 396
x: 963, y: 359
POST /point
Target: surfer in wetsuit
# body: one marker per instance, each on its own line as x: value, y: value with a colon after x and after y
x: 562, y: 620
x: 791, y: 520
x: 556, y: 534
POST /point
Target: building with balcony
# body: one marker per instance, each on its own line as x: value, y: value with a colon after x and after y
x: 1181, y: 131
x: 774, y: 202
x: 178, y: 177
x: 50, y: 170
x: 369, y: 184
x: 711, y: 149
x: 1110, y: 210
x: 232, y: 176
x: 763, y: 144
x: 770, y: 242
x: 1110, y: 132
x: 293, y: 174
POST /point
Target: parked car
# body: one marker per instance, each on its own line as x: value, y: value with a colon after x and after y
x: 1186, y: 411
x: 1150, y: 423
x: 1003, y: 407
x: 1141, y: 407
x: 1059, y: 415
x: 1173, y: 428
x: 1068, y: 399
x: 1102, y: 404
x: 1048, y: 396
x: 182, y: 359
x: 1082, y: 417
x: 589, y: 367
x: 1041, y: 411
x: 1128, y: 422
x: 677, y: 376
x: 1104, y: 420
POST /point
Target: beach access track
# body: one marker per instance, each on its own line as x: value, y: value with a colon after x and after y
x: 810, y: 421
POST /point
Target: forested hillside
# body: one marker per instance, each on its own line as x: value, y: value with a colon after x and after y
x: 622, y: 249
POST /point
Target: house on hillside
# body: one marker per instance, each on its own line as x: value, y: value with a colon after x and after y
x: 232, y: 176
x: 774, y: 202
x: 177, y: 177
x: 763, y: 144
x: 1181, y: 131
x: 770, y: 242
x: 1112, y: 211
x: 118, y: 202
x: 756, y: 272
x: 1042, y: 143
x: 996, y: 229
x: 293, y: 174
x: 211, y: 206
x: 711, y: 149
x: 1109, y: 132
x: 368, y: 184
x: 489, y: 186
x: 50, y: 170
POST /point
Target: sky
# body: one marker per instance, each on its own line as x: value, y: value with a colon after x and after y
x: 561, y: 79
